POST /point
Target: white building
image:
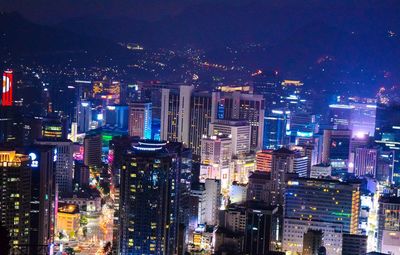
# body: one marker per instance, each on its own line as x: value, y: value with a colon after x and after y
x: 216, y: 155
x: 294, y: 230
x: 320, y: 170
x: 239, y: 131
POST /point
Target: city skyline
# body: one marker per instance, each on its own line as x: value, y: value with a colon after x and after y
x: 199, y: 127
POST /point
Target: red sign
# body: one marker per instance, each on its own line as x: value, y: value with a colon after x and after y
x: 6, y: 96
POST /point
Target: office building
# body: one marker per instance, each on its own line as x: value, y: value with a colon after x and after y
x: 238, y: 131
x: 216, y: 155
x: 185, y: 116
x: 150, y: 198
x: 387, y: 135
x: 312, y: 242
x: 363, y: 116
x: 264, y: 160
x: 117, y: 116
x: 64, y: 164
x: 275, y: 125
x: 389, y: 225
x: 140, y: 117
x: 27, y: 204
x: 54, y: 128
x: 84, y: 115
x: 7, y: 89
x: 15, y: 198
x: 340, y: 116
x: 318, y: 204
x: 282, y: 168
x: 92, y: 145
x: 354, y: 244
x: 259, y: 187
x: 336, y: 147
x: 241, y: 106
x: 320, y: 171
x: 365, y: 162
x: 261, y: 223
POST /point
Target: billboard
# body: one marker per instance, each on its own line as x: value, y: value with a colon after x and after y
x: 6, y: 96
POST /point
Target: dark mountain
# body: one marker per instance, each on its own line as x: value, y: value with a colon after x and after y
x: 21, y: 38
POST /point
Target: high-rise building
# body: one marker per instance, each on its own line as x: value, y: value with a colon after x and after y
x: 15, y: 196
x: 64, y: 164
x: 92, y: 145
x: 365, y: 162
x: 362, y: 118
x: 264, y: 160
x: 282, y: 168
x: 336, y: 148
x: 387, y: 135
x: 241, y: 106
x: 216, y: 155
x: 275, y: 125
x: 340, y: 116
x: 261, y: 224
x: 301, y: 125
x: 140, y: 116
x: 389, y: 225
x: 260, y: 187
x: 185, y: 116
x: 318, y: 204
x: 7, y: 88
x: 84, y: 115
x: 27, y: 204
x: 238, y: 131
x: 43, y: 196
x: 320, y: 171
x: 117, y: 116
x: 150, y: 198
x: 354, y: 244
x: 54, y: 128
x: 312, y: 241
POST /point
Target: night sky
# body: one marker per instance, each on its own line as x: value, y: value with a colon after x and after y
x: 54, y: 11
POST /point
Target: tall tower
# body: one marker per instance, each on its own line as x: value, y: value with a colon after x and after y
x: 185, y: 116
x: 153, y: 185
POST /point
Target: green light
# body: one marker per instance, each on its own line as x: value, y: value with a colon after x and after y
x: 341, y: 214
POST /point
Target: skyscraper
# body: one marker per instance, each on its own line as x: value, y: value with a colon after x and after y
x: 84, y: 115
x: 15, y: 196
x: 27, y: 204
x: 151, y: 193
x: 241, y: 106
x: 336, y: 148
x: 275, y: 124
x: 387, y: 134
x: 64, y: 163
x: 282, y: 168
x: 185, y: 116
x: 140, y: 116
x: 92, y: 145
